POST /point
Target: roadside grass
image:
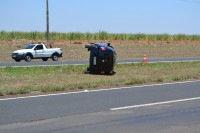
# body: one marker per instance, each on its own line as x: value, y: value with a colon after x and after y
x: 15, y: 81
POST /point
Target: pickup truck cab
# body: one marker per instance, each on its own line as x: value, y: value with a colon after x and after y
x: 37, y: 51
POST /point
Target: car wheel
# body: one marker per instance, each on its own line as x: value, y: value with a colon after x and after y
x: 17, y: 60
x: 44, y: 59
x: 55, y: 57
x: 28, y: 58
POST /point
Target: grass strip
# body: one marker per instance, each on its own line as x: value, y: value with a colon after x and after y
x: 15, y: 81
x: 101, y: 35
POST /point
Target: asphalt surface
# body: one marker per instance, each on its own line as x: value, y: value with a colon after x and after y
x: 80, y: 62
x: 160, y: 108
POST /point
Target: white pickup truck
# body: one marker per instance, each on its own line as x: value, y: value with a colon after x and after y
x: 37, y: 51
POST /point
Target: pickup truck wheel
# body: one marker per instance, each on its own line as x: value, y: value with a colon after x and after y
x: 27, y: 58
x: 44, y: 59
x: 55, y: 57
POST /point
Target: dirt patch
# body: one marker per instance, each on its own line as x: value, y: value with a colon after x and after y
x: 124, y: 49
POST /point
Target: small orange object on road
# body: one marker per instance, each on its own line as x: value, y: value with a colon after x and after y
x: 145, y: 58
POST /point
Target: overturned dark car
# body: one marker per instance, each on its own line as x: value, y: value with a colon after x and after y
x: 102, y: 58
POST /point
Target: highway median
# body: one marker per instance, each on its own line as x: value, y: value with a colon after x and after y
x: 50, y: 79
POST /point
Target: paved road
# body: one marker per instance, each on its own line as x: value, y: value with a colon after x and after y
x: 161, y: 108
x: 79, y: 62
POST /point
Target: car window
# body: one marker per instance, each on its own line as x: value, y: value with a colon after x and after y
x: 39, y: 47
x: 30, y: 46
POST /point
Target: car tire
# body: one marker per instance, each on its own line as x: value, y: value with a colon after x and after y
x: 17, y: 60
x: 28, y: 58
x: 44, y: 59
x: 54, y: 57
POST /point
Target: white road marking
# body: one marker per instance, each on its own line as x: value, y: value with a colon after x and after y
x: 157, y: 103
x: 99, y: 90
x: 173, y: 61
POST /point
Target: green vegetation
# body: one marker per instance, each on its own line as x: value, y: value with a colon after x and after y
x: 102, y: 35
x: 71, y: 78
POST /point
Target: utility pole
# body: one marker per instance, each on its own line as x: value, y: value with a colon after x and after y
x: 47, y: 20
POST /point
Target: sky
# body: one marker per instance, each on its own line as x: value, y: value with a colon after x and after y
x: 112, y: 16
